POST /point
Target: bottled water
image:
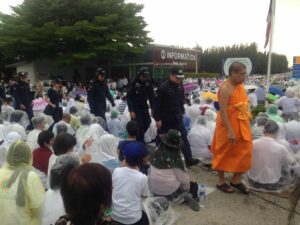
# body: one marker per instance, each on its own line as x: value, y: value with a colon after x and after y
x: 201, y: 195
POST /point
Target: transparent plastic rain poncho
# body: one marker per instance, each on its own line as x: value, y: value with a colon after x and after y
x: 151, y: 133
x: 19, y: 159
x: 200, y: 138
x: 19, y: 117
x: 10, y: 138
x: 273, y: 167
x: 159, y: 211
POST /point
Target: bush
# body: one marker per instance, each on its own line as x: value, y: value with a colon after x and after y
x: 257, y: 110
x: 202, y: 75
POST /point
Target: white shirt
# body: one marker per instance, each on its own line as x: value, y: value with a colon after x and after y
x: 269, y: 157
x: 289, y: 105
x: 32, y: 139
x: 200, y: 138
x: 166, y: 181
x: 51, y: 163
x: 252, y: 99
x: 129, y: 186
x: 53, y: 207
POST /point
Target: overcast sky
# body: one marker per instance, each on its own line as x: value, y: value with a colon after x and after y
x: 217, y: 22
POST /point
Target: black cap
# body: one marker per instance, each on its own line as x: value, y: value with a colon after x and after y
x: 100, y: 71
x: 22, y: 74
x: 178, y: 72
x: 57, y: 81
x: 144, y: 71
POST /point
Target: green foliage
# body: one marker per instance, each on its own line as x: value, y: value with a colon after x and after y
x: 70, y: 31
x: 259, y: 108
x: 202, y: 75
x: 211, y: 59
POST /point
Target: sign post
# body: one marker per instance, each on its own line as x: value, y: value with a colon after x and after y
x: 246, y: 61
x: 167, y: 56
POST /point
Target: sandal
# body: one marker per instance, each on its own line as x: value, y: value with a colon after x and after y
x: 225, y: 188
x: 241, y: 187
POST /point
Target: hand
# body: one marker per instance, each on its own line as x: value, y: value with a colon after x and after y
x: 22, y: 107
x: 231, y: 137
x: 132, y: 115
x: 158, y: 124
x: 88, y: 143
x: 86, y: 158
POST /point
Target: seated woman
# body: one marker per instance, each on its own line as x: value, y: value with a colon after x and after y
x: 86, y: 198
x: 258, y: 128
x: 272, y: 163
x: 21, y: 191
x: 114, y: 125
x: 289, y: 103
x: 18, y: 123
x: 42, y: 155
x: 53, y: 206
x: 64, y: 143
x: 167, y: 175
x: 272, y: 111
x: 211, y: 117
x: 10, y: 138
x: 200, y: 138
x: 104, y: 151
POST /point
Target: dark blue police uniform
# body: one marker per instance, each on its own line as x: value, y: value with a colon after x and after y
x: 97, y: 94
x: 23, y: 96
x: 137, y: 100
x: 169, y: 108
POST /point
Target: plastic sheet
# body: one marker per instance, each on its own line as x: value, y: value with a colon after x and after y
x: 19, y: 117
x: 159, y: 211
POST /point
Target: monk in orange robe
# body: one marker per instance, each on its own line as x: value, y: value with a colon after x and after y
x: 232, y: 142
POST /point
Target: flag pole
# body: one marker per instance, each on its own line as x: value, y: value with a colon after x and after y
x: 271, y: 44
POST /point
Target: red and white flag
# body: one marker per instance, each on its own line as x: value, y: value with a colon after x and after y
x: 269, y: 23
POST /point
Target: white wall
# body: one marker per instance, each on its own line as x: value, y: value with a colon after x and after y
x: 43, y: 69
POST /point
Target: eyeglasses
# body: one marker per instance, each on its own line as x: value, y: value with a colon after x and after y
x: 242, y: 74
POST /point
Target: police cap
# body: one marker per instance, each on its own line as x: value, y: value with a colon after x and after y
x: 178, y: 72
x: 22, y: 74
x: 100, y: 71
x: 143, y: 71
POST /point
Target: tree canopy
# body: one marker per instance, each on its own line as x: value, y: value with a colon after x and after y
x: 211, y: 59
x: 70, y: 31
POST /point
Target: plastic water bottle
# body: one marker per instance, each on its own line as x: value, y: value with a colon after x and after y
x: 201, y: 195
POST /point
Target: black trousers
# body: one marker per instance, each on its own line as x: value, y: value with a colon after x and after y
x: 143, y: 221
x: 144, y: 120
x: 57, y: 114
x: 29, y: 113
x: 176, y: 123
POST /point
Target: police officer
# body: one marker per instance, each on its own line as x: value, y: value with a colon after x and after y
x: 23, y: 96
x: 169, y: 110
x: 140, y: 91
x: 97, y: 94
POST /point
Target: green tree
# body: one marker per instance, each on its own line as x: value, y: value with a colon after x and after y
x: 70, y: 31
x: 212, y: 58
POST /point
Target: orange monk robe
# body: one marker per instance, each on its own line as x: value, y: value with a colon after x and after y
x: 227, y: 156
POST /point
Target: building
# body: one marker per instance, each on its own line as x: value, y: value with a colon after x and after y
x: 157, y: 58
